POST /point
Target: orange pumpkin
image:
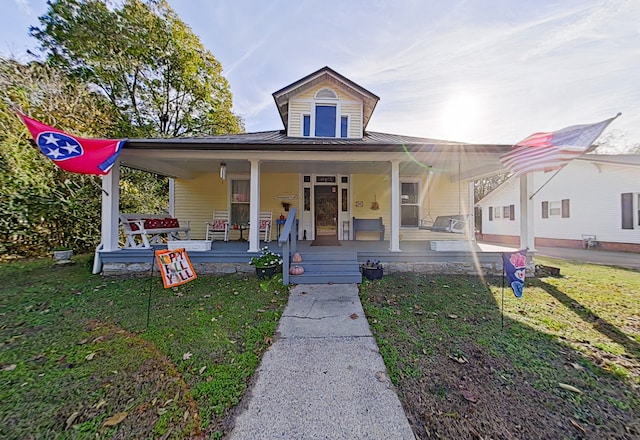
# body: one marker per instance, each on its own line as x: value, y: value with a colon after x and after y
x: 296, y: 270
x: 296, y: 258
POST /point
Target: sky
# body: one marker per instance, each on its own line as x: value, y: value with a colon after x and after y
x: 481, y: 71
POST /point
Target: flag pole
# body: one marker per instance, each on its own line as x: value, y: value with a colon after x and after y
x: 545, y: 184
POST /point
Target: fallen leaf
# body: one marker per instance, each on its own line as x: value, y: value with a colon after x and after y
x: 452, y: 316
x: 569, y: 388
x: 10, y: 367
x: 578, y: 366
x: 71, y: 419
x: 577, y: 426
x: 354, y: 316
x: 186, y: 415
x: 100, y: 404
x: 268, y: 341
x: 115, y: 419
x: 90, y: 356
x: 84, y: 341
x: 202, y: 369
x: 187, y: 356
x: 468, y: 395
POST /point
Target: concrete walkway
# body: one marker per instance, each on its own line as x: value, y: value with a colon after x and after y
x: 324, y: 377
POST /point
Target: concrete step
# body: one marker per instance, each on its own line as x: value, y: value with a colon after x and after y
x: 327, y: 278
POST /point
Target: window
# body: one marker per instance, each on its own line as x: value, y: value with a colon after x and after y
x: 240, y: 190
x: 630, y: 209
x: 506, y: 211
x: 409, y: 208
x: 556, y: 209
x: 344, y: 126
x: 325, y: 120
x: 502, y: 212
x: 306, y: 125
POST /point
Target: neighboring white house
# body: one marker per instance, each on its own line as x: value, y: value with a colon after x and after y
x: 594, y: 201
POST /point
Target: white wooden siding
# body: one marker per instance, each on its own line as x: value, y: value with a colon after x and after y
x: 593, y: 190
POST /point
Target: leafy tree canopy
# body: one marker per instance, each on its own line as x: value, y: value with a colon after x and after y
x: 147, y: 62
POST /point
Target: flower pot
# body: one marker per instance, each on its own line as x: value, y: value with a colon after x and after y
x: 372, y: 273
x: 266, y: 272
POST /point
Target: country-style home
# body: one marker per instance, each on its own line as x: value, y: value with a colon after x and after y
x: 355, y: 194
x: 593, y: 202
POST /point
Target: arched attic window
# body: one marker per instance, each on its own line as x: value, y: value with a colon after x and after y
x: 326, y: 118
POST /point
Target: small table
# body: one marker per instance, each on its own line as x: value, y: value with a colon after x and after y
x: 280, y: 222
x: 242, y: 228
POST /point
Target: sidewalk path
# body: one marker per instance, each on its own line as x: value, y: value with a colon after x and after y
x: 324, y: 377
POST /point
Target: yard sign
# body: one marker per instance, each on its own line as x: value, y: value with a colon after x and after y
x: 175, y: 267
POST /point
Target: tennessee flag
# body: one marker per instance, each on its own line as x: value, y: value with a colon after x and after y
x: 74, y: 154
x: 552, y: 150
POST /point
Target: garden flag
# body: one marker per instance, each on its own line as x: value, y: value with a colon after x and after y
x: 514, y: 265
x: 552, y: 150
x: 175, y: 267
x: 74, y: 154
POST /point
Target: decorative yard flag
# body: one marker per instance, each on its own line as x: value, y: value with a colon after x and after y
x: 175, y: 267
x: 552, y: 150
x: 514, y: 265
x: 74, y: 154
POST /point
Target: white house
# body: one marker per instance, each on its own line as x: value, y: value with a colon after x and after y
x: 594, y: 201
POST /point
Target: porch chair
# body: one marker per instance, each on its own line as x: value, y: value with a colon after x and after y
x: 266, y: 221
x: 219, y: 225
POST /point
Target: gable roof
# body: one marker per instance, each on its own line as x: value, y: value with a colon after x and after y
x: 281, y: 97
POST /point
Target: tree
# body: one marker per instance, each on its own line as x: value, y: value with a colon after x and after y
x: 43, y: 206
x: 147, y: 62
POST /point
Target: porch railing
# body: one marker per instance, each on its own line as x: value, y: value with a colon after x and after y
x: 288, y: 238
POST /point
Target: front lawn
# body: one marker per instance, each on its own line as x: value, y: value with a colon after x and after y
x: 77, y: 359
x: 566, y: 365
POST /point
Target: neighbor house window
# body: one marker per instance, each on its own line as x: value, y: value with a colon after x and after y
x: 409, y: 204
x: 240, y: 190
x: 630, y: 209
x: 555, y: 209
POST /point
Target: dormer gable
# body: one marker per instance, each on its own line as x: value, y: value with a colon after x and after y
x: 325, y: 104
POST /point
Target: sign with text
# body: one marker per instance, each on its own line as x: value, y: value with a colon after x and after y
x: 175, y: 267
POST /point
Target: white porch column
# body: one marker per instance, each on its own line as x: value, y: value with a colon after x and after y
x: 471, y: 226
x: 110, y: 208
x: 394, y: 237
x: 527, y: 232
x: 254, y: 207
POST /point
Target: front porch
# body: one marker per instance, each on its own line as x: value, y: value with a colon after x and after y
x: 233, y: 257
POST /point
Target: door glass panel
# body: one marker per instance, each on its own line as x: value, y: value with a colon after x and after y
x: 409, y: 215
x: 326, y: 207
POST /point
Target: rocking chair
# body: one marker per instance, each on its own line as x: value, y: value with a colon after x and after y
x: 219, y: 225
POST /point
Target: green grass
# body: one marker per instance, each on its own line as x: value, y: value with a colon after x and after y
x: 76, y: 350
x: 438, y: 334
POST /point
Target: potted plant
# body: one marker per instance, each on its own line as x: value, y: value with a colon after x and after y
x: 62, y: 254
x: 267, y: 263
x: 372, y: 270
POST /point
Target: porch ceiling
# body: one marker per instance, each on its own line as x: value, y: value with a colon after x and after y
x: 190, y: 164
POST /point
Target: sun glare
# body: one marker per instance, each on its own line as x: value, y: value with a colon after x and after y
x: 459, y: 118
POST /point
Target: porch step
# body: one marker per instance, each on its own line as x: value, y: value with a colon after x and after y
x: 328, y: 267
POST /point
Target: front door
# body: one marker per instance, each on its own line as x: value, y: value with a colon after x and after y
x: 326, y: 210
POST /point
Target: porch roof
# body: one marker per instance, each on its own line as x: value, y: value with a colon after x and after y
x: 187, y: 157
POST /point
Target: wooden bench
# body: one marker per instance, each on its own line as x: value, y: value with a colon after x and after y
x: 151, y: 229
x: 368, y: 225
x: 446, y: 223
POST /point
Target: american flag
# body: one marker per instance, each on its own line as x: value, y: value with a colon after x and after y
x: 552, y: 150
x: 74, y: 154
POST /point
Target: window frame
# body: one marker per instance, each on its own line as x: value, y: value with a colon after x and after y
x: 233, y: 202
x: 416, y: 205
